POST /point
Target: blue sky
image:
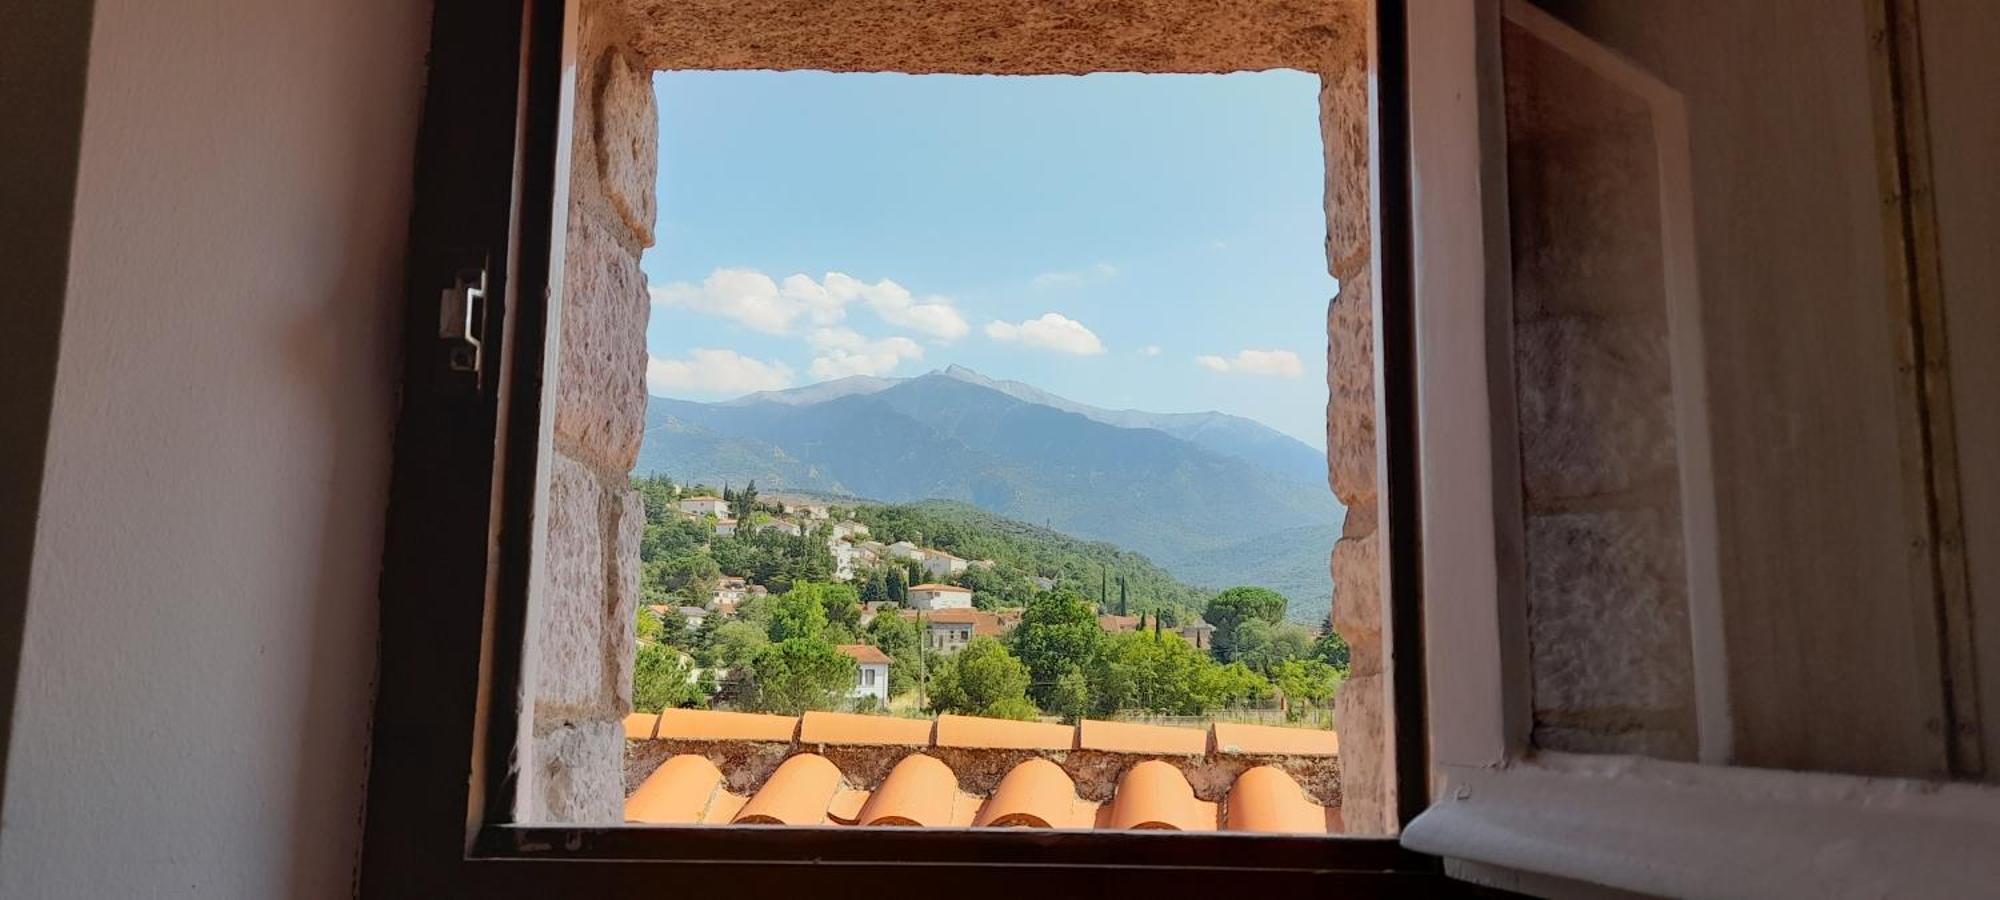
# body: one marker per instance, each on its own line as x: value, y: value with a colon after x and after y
x: 1141, y: 241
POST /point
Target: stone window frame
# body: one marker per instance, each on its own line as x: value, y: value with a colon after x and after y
x: 462, y: 529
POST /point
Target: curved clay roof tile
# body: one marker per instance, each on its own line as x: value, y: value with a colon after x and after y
x: 799, y: 793
x: 1264, y: 798
x: 679, y: 792
x: 1036, y: 794
x: 1154, y: 794
x: 919, y: 791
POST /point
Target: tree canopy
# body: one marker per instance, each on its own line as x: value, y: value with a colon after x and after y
x: 800, y: 674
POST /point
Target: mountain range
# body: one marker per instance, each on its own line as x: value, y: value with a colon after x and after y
x: 1215, y: 499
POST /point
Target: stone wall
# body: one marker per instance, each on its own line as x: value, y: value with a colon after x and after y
x: 582, y: 630
x: 1362, y: 710
x: 1607, y: 595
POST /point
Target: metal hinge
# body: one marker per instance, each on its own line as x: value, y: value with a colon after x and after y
x: 462, y: 320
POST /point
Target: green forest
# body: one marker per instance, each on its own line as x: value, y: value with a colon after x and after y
x: 777, y: 649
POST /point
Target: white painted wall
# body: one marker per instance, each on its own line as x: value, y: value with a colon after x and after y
x: 199, y: 653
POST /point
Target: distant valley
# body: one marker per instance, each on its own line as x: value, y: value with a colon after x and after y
x: 1216, y: 500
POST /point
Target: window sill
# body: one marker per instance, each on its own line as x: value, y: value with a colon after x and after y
x: 1679, y: 829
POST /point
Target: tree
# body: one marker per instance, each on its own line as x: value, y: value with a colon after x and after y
x: 744, y: 506
x: 1262, y: 645
x: 694, y: 576
x: 874, y: 587
x: 1058, y: 632
x: 1228, y: 611
x: 899, y: 587
x: 798, y: 614
x: 1122, y: 599
x: 662, y: 678
x: 800, y: 674
x: 1152, y: 672
x: 1234, y: 684
x: 897, y: 638
x: 1070, y: 697
x: 1332, y: 649
x: 982, y: 680
x: 736, y: 644
x: 1305, y: 683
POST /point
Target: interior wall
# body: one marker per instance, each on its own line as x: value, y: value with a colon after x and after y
x: 1962, y: 78
x: 44, y: 50
x: 1833, y: 657
x: 197, y: 665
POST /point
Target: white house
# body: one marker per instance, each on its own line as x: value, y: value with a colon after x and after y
x: 725, y: 527
x: 906, y: 550
x: 694, y: 615
x: 704, y: 506
x: 848, y: 528
x: 942, y: 564
x: 845, y: 555
x: 949, y: 630
x: 940, y: 596
x: 808, y: 510
x: 872, y: 676
x: 781, y: 525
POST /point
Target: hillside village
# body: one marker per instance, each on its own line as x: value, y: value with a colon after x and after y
x: 781, y: 603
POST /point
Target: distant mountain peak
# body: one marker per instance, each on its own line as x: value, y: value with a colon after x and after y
x: 818, y: 393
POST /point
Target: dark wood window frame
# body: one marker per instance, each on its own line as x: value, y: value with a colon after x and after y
x: 455, y: 572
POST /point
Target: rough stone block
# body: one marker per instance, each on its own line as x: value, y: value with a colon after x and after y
x: 1664, y: 741
x: 573, y: 598
x: 619, y: 631
x: 1607, y: 612
x: 1350, y: 407
x: 1343, y: 128
x: 579, y: 774
x: 1367, y: 780
x: 601, y: 381
x: 1595, y: 405
x: 627, y: 138
x: 1357, y: 602
x: 1583, y: 180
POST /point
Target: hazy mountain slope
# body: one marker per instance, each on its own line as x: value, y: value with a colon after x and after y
x: 685, y: 451
x: 1293, y: 562
x: 1197, y: 512
x: 1225, y: 434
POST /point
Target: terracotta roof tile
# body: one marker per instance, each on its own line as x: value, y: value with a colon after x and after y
x: 865, y: 653
x: 1036, y: 794
x: 1266, y: 799
x: 713, y: 725
x: 679, y: 792
x: 919, y: 791
x: 639, y: 726
x: 850, y: 728
x: 800, y: 792
x: 1126, y: 737
x: 946, y: 588
x: 1236, y: 737
x: 1023, y: 769
x: 1155, y: 795
x: 974, y: 731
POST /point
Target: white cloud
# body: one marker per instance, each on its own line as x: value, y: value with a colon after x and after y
x: 844, y: 352
x: 1268, y: 363
x: 715, y: 372
x: 1150, y: 350
x: 1088, y: 275
x: 893, y: 303
x: 1053, y: 331
x: 755, y: 300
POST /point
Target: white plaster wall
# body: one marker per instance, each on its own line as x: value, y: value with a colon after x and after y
x: 199, y: 653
